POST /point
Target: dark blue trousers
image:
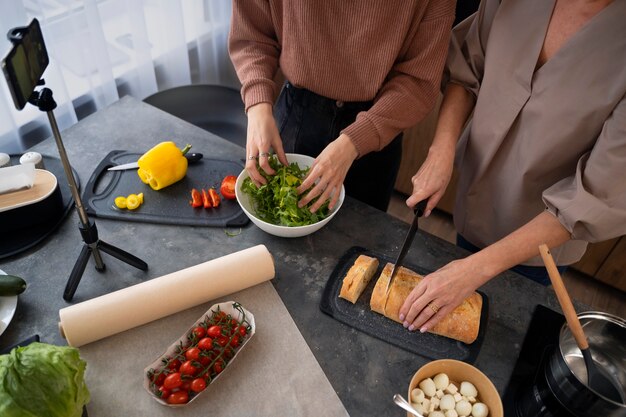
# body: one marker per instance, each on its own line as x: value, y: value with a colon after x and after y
x: 307, y: 122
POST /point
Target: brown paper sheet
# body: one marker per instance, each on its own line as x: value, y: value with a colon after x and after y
x: 139, y: 304
x: 275, y: 375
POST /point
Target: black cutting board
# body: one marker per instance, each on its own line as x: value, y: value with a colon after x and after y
x: 362, y: 318
x: 169, y: 205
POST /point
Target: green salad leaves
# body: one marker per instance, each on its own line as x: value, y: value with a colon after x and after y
x: 42, y: 380
x: 277, y: 201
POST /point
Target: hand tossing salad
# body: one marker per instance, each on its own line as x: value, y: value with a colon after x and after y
x: 277, y: 201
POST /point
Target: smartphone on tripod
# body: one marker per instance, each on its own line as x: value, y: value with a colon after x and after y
x: 23, y: 68
x: 25, y: 63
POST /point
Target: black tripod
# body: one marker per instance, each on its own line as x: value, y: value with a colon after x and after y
x: 44, y: 101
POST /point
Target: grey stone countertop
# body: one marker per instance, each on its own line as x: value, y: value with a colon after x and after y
x: 364, y: 371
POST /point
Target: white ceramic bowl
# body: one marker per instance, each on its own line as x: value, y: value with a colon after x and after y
x: 243, y: 199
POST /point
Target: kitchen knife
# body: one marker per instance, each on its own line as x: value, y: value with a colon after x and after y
x: 419, y: 212
x: 191, y: 158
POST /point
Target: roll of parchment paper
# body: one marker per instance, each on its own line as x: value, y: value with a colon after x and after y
x: 139, y: 304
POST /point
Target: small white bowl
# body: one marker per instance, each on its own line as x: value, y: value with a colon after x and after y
x: 243, y: 199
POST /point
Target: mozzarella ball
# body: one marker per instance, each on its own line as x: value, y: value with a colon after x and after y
x: 417, y: 395
x: 468, y: 389
x: 463, y: 408
x: 436, y: 414
x: 480, y: 410
x: 428, y: 386
x: 447, y: 402
x: 452, y: 413
x: 420, y: 408
x: 441, y: 381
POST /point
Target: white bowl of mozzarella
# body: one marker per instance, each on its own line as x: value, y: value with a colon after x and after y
x: 451, y: 388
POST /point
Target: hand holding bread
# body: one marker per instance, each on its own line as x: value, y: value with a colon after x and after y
x: 461, y: 323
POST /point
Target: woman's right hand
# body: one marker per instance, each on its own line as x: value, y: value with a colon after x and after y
x: 432, y: 179
x: 262, y: 137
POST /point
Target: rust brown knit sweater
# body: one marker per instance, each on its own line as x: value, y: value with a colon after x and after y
x: 389, y: 51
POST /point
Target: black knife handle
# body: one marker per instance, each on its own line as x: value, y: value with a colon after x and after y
x: 420, y: 208
x: 193, y: 157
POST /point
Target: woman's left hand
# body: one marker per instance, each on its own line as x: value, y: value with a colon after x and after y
x: 328, y: 172
x: 438, y: 294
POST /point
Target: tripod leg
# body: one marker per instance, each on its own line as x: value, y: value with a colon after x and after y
x: 77, y: 273
x: 122, y: 255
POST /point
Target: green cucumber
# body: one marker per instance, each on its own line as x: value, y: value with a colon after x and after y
x: 11, y: 285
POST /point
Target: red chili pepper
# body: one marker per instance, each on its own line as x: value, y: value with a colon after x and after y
x: 196, y: 198
x: 214, y: 196
x: 206, y: 200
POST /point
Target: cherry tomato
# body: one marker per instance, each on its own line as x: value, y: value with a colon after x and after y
x: 242, y: 331
x: 206, y: 343
x: 234, y: 342
x: 222, y: 341
x: 214, y: 331
x: 218, y: 366
x: 198, y: 385
x: 214, y: 197
x: 219, y: 316
x: 204, y: 360
x: 164, y: 393
x: 228, y: 187
x: 192, y: 354
x: 172, y: 381
x: 178, y: 397
x: 228, y: 353
x: 199, y: 331
x: 187, y: 368
x: 158, y: 379
x: 186, y: 385
x: 174, y: 365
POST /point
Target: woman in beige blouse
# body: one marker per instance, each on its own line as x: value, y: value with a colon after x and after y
x: 543, y: 158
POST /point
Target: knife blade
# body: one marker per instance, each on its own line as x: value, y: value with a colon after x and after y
x: 191, y: 158
x: 419, y: 212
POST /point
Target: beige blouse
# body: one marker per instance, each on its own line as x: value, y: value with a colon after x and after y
x: 551, y: 139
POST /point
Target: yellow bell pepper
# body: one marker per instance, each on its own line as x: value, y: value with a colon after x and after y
x: 163, y: 165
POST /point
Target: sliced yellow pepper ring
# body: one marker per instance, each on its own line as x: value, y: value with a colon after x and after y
x: 132, y: 202
x: 140, y: 195
x: 120, y: 202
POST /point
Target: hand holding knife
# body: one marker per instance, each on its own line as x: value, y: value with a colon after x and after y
x: 419, y: 212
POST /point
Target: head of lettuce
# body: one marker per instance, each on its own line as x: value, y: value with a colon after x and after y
x: 42, y: 380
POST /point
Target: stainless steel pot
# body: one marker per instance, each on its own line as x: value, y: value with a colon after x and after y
x: 566, y: 373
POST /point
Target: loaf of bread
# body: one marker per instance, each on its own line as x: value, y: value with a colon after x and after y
x: 357, y: 278
x: 462, y: 323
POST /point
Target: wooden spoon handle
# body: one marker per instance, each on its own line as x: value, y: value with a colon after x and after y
x: 563, y: 296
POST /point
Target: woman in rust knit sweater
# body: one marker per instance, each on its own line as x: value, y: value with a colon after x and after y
x: 358, y: 73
